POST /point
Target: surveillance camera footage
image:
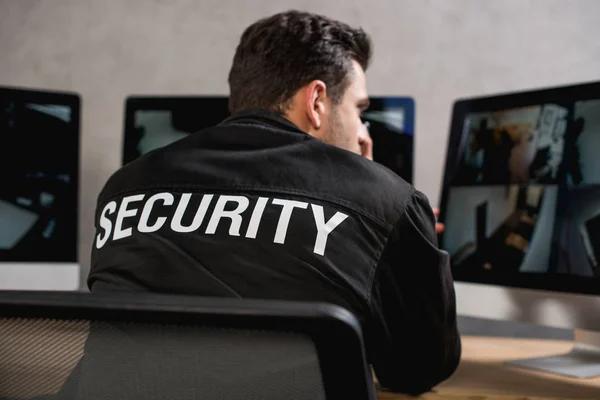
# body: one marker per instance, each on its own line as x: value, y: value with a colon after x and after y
x: 500, y: 227
x: 582, y: 164
x: 514, y: 146
x: 39, y: 147
x: 537, y: 144
x: 525, y: 193
x: 577, y: 246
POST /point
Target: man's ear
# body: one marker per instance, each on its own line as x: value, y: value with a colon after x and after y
x: 315, y: 95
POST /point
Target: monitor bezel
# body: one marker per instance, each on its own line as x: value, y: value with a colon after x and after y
x: 557, y: 95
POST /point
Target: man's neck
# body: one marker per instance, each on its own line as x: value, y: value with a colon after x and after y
x: 297, y: 119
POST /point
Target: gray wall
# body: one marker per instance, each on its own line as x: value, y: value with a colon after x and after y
x: 434, y: 50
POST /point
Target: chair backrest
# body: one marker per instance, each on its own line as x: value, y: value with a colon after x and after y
x: 138, y: 346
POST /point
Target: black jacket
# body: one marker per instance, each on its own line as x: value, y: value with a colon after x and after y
x: 256, y: 208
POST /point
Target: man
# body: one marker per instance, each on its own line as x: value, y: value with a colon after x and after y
x: 280, y: 201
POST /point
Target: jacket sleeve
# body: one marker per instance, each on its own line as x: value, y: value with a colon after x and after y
x: 412, y: 339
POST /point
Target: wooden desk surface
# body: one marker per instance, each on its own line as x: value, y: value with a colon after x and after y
x: 482, y: 374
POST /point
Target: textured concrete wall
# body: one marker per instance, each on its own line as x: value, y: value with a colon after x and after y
x: 434, y: 50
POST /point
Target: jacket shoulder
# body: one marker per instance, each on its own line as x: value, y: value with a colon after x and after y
x: 378, y: 189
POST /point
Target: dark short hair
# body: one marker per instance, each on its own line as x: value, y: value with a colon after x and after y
x: 280, y: 54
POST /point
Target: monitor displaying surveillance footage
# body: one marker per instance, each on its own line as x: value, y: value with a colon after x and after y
x: 154, y: 122
x: 39, y: 161
x: 521, y: 193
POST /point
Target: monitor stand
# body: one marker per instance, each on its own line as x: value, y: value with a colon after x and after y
x: 583, y: 361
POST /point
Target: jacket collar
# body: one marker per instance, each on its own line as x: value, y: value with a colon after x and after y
x: 269, y: 117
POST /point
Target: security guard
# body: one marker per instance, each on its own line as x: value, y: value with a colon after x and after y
x: 280, y: 202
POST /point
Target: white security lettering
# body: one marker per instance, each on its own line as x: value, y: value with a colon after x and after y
x: 219, y: 212
x: 284, y: 218
x: 324, y: 229
x: 123, y: 213
x: 259, y: 208
x: 108, y: 228
x: 105, y: 224
x: 167, y: 199
x: 198, y: 218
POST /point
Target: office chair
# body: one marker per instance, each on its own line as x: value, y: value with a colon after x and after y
x: 68, y: 345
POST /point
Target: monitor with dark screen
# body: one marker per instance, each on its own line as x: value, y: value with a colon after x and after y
x: 391, y: 122
x: 154, y: 122
x: 39, y: 164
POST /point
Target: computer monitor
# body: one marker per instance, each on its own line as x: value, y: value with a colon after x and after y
x: 39, y: 175
x: 391, y: 122
x: 521, y: 205
x: 154, y: 122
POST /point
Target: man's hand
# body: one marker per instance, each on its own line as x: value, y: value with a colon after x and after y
x: 365, y: 142
x: 439, y: 228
